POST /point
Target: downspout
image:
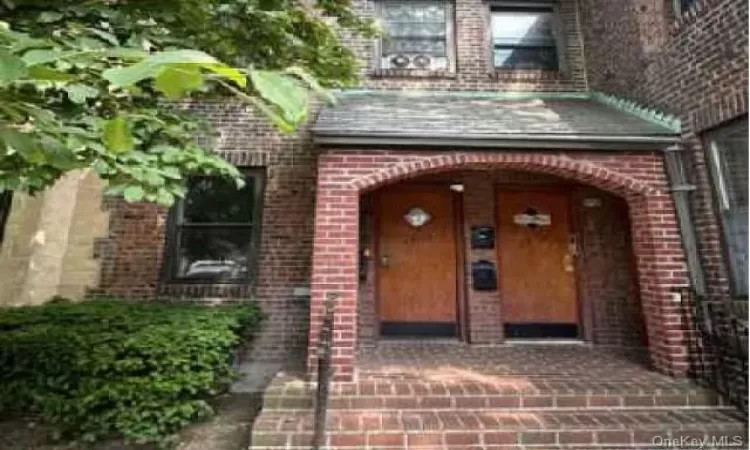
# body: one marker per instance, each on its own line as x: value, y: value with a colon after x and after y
x: 681, y: 188
x: 581, y: 42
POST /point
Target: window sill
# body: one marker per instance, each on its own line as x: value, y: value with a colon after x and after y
x: 410, y: 73
x: 526, y: 75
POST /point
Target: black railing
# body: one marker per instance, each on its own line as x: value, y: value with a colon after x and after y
x: 719, y: 357
x: 325, y: 372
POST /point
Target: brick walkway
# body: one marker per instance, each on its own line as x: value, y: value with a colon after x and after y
x: 442, y: 395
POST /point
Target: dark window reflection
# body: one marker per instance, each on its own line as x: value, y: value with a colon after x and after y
x: 214, y: 253
x: 218, y: 200
x: 728, y: 155
x: 524, y: 39
x: 215, y: 227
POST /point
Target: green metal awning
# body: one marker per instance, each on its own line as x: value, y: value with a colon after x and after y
x: 492, y: 119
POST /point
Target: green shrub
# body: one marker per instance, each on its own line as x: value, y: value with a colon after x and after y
x: 117, y: 369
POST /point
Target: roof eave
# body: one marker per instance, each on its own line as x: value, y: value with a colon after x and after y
x: 535, y: 141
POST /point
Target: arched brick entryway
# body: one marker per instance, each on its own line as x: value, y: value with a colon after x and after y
x: 639, y: 178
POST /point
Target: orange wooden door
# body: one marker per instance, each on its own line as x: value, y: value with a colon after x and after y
x: 536, y: 258
x: 417, y: 265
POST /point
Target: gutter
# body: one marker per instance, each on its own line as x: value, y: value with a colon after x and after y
x: 504, y: 141
x: 681, y: 189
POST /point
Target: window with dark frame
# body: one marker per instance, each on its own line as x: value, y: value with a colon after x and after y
x: 524, y: 38
x: 418, y: 35
x: 727, y: 148
x: 214, y: 230
x: 6, y: 198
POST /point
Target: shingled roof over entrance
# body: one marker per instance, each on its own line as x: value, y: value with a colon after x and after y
x: 575, y: 120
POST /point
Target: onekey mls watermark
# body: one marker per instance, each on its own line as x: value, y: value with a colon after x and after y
x: 700, y: 442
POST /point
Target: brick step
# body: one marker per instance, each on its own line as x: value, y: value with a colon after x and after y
x: 283, y: 395
x: 492, y: 429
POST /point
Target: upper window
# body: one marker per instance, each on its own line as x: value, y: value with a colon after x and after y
x: 681, y: 6
x: 728, y: 159
x: 524, y: 38
x: 215, y: 230
x: 417, y: 35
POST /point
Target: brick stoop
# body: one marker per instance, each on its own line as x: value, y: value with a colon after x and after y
x: 497, y: 399
x: 489, y: 429
x: 286, y: 394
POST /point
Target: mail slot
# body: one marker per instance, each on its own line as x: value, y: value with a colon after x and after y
x: 483, y: 275
x: 482, y: 237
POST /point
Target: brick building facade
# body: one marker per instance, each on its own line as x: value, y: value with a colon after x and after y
x: 692, y: 63
x: 315, y: 231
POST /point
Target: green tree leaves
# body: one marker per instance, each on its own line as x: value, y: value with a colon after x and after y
x: 83, y: 85
x: 11, y: 66
x: 177, y: 81
x: 79, y: 93
x: 118, y: 135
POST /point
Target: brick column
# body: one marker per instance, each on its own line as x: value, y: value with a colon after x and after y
x: 661, y: 270
x: 335, y: 272
x: 485, y: 322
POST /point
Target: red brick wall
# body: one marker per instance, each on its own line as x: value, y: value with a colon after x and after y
x: 474, y: 68
x: 631, y: 49
x: 607, y: 285
x: 694, y: 66
x: 132, y: 254
x: 638, y: 178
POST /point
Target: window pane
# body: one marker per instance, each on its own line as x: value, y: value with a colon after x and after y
x: 414, y: 11
x: 411, y: 46
x: 415, y: 30
x: 730, y: 161
x: 213, y: 253
x: 685, y: 5
x: 522, y: 28
x: 414, y: 27
x: 526, y: 58
x: 212, y: 199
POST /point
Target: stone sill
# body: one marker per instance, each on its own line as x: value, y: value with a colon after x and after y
x: 211, y: 290
x: 411, y: 73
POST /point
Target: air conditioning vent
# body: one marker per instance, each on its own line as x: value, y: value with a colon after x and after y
x: 421, y: 62
x: 400, y: 61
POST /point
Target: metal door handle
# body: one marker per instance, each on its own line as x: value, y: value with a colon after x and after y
x: 384, y: 261
x: 568, y: 263
x: 573, y: 244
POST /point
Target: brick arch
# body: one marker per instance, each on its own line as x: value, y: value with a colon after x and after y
x: 562, y: 166
x: 638, y: 178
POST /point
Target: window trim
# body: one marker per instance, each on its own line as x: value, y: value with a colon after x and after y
x: 450, y: 44
x: 720, y: 196
x: 172, y: 238
x: 557, y: 33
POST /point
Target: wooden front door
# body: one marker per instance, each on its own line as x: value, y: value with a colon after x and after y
x: 536, y: 258
x: 417, y: 261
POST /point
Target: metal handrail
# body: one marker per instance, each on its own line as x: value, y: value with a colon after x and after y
x: 325, y: 372
x: 719, y: 357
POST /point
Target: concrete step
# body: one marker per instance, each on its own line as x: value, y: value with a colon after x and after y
x: 503, y: 429
x: 291, y: 394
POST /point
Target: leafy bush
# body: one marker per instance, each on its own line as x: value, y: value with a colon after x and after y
x: 112, y: 368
